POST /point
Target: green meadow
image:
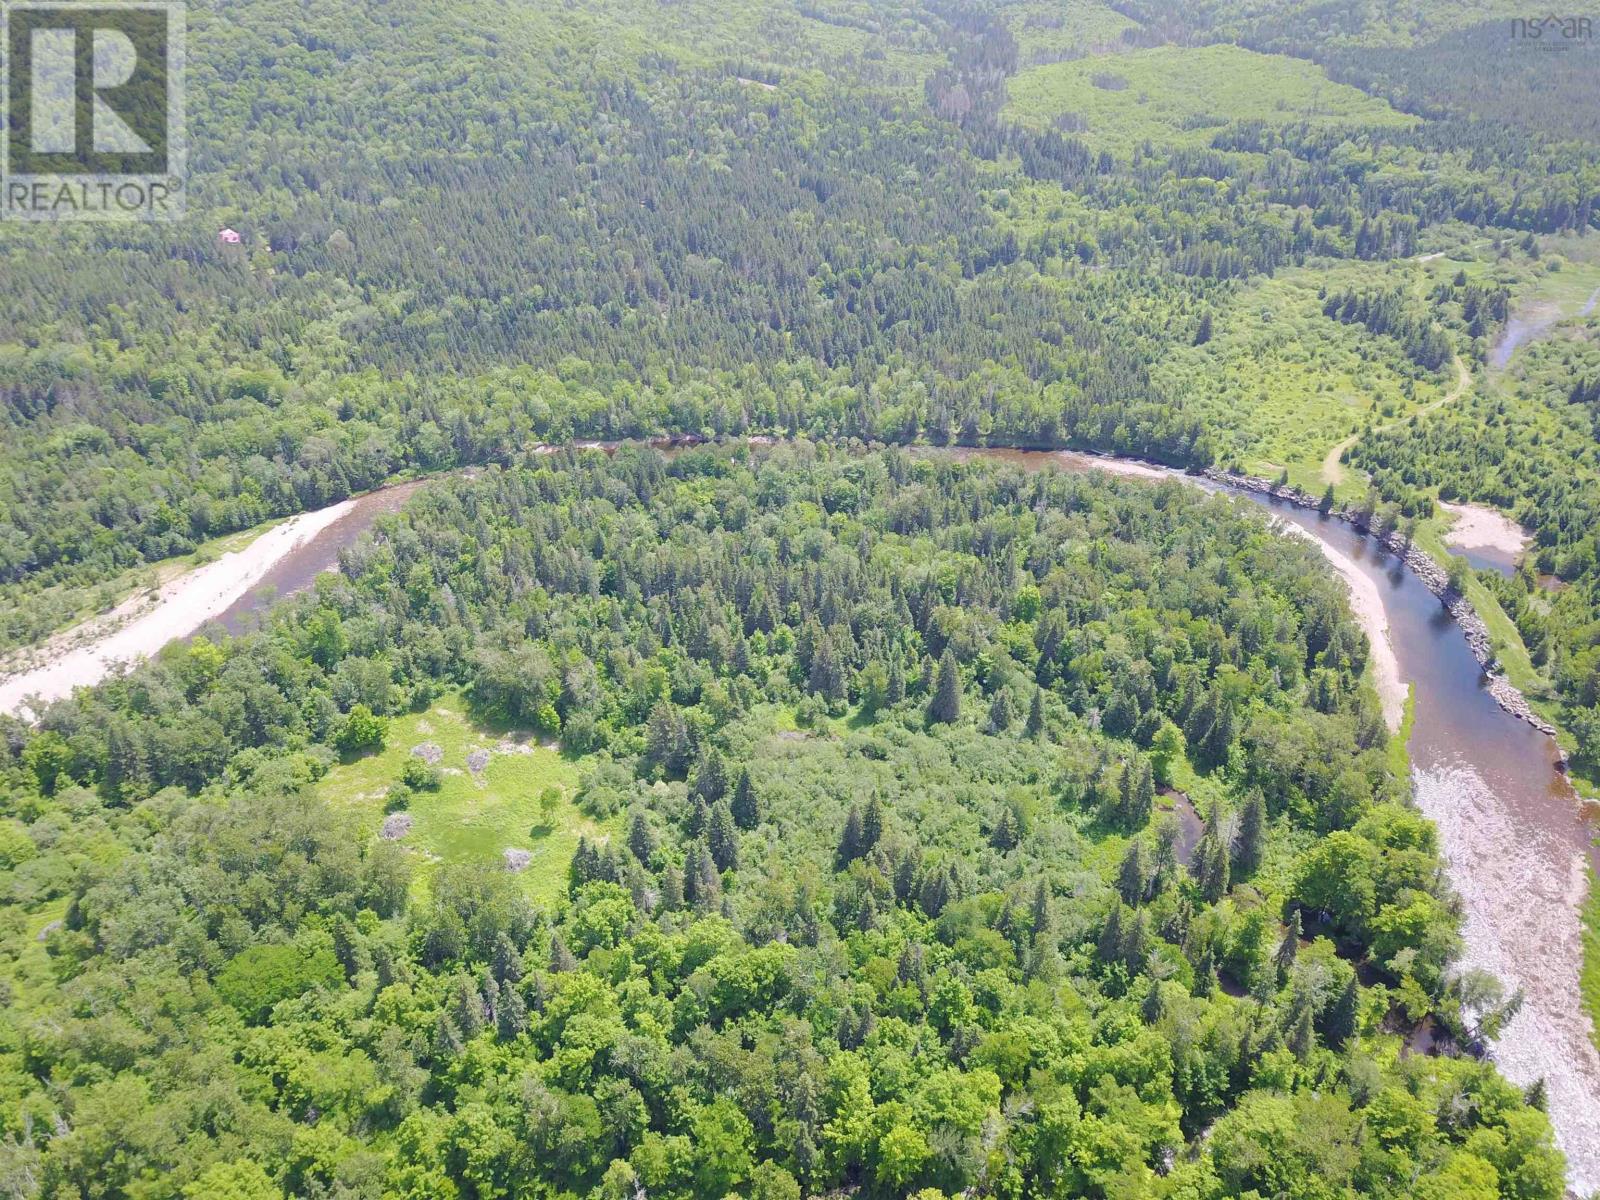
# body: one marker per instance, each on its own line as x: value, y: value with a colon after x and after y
x: 1279, y: 384
x: 1183, y: 95
x: 474, y: 816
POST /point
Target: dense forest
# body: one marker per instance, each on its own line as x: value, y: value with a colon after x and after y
x: 824, y: 817
x: 462, y: 233
x: 897, y: 894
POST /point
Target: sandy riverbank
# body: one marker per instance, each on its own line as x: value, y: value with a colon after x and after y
x: 1367, y: 605
x: 1475, y: 527
x: 86, y: 653
x: 1365, y: 601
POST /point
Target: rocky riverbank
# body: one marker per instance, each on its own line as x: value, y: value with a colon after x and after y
x: 1433, y: 577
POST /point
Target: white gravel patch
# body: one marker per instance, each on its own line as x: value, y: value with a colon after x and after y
x: 85, y: 654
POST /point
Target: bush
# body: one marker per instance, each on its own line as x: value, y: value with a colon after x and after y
x: 420, y: 776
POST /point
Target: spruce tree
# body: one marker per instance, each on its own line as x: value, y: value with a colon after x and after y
x: 1035, y: 727
x: 850, y: 840
x: 1144, y: 796
x: 672, y: 887
x: 1302, y: 1038
x: 1109, y: 947
x: 641, y: 838
x: 707, y: 883
x: 1345, y: 1014
x: 1136, y: 941
x: 1205, y: 973
x: 746, y: 805
x: 1040, y: 910
x: 1249, y: 844
x: 699, y: 817
x: 872, y: 825
x: 1004, y: 835
x: 1131, y: 875
x: 710, y: 776
x: 561, y: 958
x: 945, y: 707
x: 1289, y: 948
x: 1001, y: 713
x: 721, y: 839
x: 897, y: 680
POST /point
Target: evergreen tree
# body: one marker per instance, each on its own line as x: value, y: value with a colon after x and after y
x: 1211, y: 861
x: 1344, y: 1014
x: 1040, y: 910
x: 710, y: 776
x: 1302, y: 1037
x: 672, y: 887
x: 851, y: 840
x: 507, y: 960
x: 561, y: 958
x: 512, y: 1019
x: 1144, y: 796
x: 1109, y: 947
x: 872, y: 825
x: 1289, y: 948
x: 702, y: 885
x: 897, y: 680
x: 1538, y: 1095
x: 1131, y: 875
x: 945, y: 707
x: 699, y: 817
x: 1001, y: 712
x: 1004, y: 835
x: 1251, y: 839
x: 721, y: 839
x: 1205, y: 972
x: 746, y: 805
x: 642, y: 839
x: 1165, y: 867
x: 1035, y: 727
x: 826, y: 678
x: 1136, y: 941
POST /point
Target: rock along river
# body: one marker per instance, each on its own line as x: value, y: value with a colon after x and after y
x: 1513, y: 831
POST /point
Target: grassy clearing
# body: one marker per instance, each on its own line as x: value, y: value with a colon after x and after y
x: 1178, y: 95
x: 1279, y: 384
x: 26, y: 967
x: 1053, y: 32
x: 473, y: 817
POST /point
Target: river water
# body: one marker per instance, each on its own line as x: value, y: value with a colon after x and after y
x: 1514, y: 834
x: 299, y: 568
x: 1511, y: 827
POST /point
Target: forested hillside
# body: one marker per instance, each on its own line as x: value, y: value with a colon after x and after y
x: 809, y: 814
x: 466, y: 230
x: 894, y: 892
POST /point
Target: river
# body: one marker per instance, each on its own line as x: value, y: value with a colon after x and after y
x: 1512, y: 829
x: 1510, y: 825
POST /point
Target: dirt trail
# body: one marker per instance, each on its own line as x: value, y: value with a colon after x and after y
x: 1333, y: 470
